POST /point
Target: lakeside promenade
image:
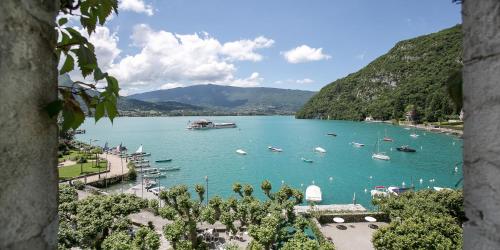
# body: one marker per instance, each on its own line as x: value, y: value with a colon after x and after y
x: 115, y: 164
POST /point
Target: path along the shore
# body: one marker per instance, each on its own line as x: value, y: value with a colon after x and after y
x: 116, y: 166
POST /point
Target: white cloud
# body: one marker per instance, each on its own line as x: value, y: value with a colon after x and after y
x: 138, y: 6
x: 252, y: 81
x: 243, y: 50
x: 305, y: 53
x: 185, y: 59
x: 304, y: 81
x: 361, y: 56
x: 171, y: 85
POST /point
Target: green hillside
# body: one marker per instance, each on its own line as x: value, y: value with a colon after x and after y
x: 414, y: 72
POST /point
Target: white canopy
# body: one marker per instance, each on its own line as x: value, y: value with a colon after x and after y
x: 313, y: 193
x: 139, y: 150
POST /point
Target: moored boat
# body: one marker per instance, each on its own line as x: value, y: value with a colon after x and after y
x: 307, y: 160
x: 398, y: 190
x: 275, y: 149
x: 169, y: 169
x: 386, y: 138
x: 358, y: 145
x: 206, y: 124
x: 332, y: 134
x: 414, y: 135
x: 320, y: 150
x: 379, y: 191
x: 241, y: 152
x: 162, y: 161
x: 381, y: 156
x: 406, y: 148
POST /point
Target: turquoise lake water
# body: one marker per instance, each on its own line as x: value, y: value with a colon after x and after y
x: 341, y: 172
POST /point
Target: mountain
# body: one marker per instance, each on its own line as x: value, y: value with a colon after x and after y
x: 413, y: 72
x: 132, y: 107
x: 233, y: 99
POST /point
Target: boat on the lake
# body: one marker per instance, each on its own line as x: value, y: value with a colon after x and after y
x: 379, y: 191
x: 156, y: 190
x: 154, y: 175
x: 206, y: 124
x: 162, y: 161
x: 320, y: 150
x: 357, y: 144
x: 241, y: 152
x: 275, y: 149
x: 406, y: 148
x: 307, y: 160
x: 387, y: 138
x: 149, y: 183
x: 380, y: 155
x: 398, y: 190
x: 332, y: 134
x: 414, y: 135
x: 313, y: 194
x: 169, y: 169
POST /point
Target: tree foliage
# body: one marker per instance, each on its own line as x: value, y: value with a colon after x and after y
x: 87, y: 223
x: 414, y: 72
x: 74, y: 50
x: 422, y: 220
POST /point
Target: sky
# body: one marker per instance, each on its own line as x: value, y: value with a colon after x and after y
x: 294, y: 44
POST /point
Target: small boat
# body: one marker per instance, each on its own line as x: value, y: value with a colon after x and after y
x: 398, y: 190
x: 406, y: 148
x: 154, y: 175
x: 149, y: 183
x: 275, y: 149
x: 162, y: 161
x: 320, y: 150
x: 386, y: 138
x: 241, y: 152
x: 380, y: 155
x: 169, y: 169
x: 358, y: 145
x: 379, y: 191
x: 307, y: 160
x: 407, y: 128
x: 313, y: 194
x: 332, y: 134
x: 414, y: 135
x: 442, y: 189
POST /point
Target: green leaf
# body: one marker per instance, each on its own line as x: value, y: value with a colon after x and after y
x: 87, y: 60
x: 69, y: 65
x: 99, y: 111
x: 112, y: 85
x: 98, y: 75
x: 111, y: 110
x: 62, y: 21
x: 104, y: 10
x: 54, y: 108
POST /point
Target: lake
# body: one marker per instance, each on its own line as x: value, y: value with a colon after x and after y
x: 340, y: 172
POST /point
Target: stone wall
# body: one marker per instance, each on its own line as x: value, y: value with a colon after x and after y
x: 481, y: 27
x: 28, y: 137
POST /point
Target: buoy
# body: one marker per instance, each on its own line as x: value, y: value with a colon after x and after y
x: 366, y: 190
x: 421, y: 180
x: 301, y: 184
x: 282, y: 182
x: 421, y: 147
x: 403, y: 184
x: 371, y: 177
x: 456, y: 169
x: 331, y: 178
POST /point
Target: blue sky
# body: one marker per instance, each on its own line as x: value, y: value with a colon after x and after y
x: 155, y: 44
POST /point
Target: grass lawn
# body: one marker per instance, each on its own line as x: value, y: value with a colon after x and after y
x: 74, y: 170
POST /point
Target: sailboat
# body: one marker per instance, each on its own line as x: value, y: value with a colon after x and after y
x: 386, y: 138
x: 380, y: 155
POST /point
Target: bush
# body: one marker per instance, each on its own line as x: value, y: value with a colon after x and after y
x: 153, y: 204
x: 79, y: 184
x: 82, y: 160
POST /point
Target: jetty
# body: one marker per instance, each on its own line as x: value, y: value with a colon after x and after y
x: 334, y: 208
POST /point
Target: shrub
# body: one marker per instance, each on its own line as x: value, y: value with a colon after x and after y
x: 82, y: 160
x: 79, y: 184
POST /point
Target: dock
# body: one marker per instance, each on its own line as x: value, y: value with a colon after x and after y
x: 344, y: 208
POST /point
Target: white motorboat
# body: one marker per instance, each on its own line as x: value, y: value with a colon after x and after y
x: 398, y: 190
x: 275, y: 149
x: 358, y: 145
x: 241, y: 152
x: 313, y: 194
x: 320, y: 150
x: 414, y: 135
x: 157, y: 190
